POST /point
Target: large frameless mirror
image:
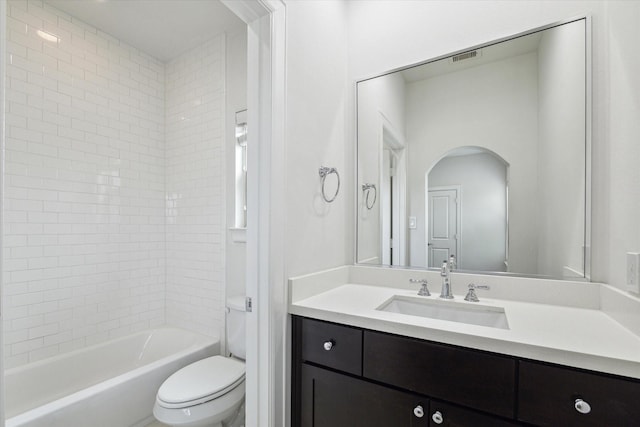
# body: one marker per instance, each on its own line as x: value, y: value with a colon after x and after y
x: 484, y: 155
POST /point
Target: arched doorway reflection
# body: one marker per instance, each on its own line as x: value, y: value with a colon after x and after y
x: 467, y: 210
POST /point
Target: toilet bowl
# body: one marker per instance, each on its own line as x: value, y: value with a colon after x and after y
x: 209, y: 392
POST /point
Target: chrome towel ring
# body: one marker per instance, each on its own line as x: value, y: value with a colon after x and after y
x: 366, y: 189
x: 324, y: 171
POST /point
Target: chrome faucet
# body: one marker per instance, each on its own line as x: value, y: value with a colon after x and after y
x: 424, y: 291
x: 447, y: 267
x: 471, y: 295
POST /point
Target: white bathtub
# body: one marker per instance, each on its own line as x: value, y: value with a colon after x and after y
x: 107, y: 385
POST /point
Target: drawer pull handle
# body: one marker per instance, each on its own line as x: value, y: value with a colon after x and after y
x: 582, y: 406
x: 328, y: 345
x: 437, y: 417
x: 418, y: 411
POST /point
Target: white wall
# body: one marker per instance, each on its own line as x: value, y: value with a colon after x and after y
x: 619, y: 72
x: 483, y: 208
x: 319, y: 235
x: 493, y: 106
x: 84, y: 192
x: 561, y: 119
x: 195, y: 152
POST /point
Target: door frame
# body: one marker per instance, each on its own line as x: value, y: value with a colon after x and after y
x: 3, y: 46
x: 266, y: 373
x: 389, y: 138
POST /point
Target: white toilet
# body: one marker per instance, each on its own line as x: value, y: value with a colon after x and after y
x: 209, y: 392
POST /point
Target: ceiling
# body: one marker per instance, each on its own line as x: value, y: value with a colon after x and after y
x: 495, y: 52
x: 162, y: 28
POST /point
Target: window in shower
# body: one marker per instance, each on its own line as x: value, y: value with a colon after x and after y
x: 241, y: 169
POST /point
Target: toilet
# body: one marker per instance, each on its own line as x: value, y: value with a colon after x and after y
x: 209, y: 392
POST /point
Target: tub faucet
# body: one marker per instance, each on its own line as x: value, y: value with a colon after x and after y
x: 445, y: 271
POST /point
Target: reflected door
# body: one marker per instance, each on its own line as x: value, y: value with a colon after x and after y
x: 443, y: 220
x: 386, y: 207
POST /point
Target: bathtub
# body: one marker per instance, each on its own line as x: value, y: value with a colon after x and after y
x: 113, y: 384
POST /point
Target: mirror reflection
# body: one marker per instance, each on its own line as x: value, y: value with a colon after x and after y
x: 481, y: 155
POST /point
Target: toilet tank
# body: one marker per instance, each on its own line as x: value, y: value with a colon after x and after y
x: 236, y: 321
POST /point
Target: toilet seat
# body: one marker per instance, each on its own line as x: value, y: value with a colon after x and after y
x: 200, y: 382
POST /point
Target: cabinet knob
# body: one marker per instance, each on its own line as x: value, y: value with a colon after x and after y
x: 328, y: 345
x: 418, y: 411
x: 437, y: 417
x: 582, y: 406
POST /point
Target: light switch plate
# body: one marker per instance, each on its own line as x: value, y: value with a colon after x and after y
x: 412, y: 222
x: 633, y: 272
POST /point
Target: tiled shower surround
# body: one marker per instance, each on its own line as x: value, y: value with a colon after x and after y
x: 114, y: 193
x: 195, y: 170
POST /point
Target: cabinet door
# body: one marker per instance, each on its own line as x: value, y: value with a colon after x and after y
x: 330, y: 399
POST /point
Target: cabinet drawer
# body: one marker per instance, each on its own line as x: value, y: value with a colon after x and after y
x: 475, y: 379
x: 445, y: 415
x: 548, y: 394
x: 335, y: 346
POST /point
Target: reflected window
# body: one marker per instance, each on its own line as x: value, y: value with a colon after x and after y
x: 241, y: 169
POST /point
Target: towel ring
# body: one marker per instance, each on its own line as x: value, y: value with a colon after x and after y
x: 366, y: 188
x: 324, y: 171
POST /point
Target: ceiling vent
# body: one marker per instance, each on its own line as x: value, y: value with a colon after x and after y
x: 466, y: 55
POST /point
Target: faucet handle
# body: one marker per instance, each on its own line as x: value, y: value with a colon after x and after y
x: 444, y: 270
x: 424, y: 291
x: 471, y: 295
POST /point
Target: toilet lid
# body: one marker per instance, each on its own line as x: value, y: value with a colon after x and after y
x: 201, y: 381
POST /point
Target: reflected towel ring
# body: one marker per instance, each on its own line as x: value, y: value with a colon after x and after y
x: 324, y: 171
x: 366, y: 188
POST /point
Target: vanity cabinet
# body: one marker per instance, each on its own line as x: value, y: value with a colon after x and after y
x: 345, y: 376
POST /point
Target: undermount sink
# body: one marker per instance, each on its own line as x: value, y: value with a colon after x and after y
x: 471, y: 313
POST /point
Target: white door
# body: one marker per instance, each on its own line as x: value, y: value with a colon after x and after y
x: 443, y: 226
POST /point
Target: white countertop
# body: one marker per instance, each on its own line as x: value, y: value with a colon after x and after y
x: 583, y: 337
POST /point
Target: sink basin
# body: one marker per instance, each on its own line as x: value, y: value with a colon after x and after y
x: 471, y: 313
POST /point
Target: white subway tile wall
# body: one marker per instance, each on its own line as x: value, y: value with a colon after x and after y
x: 90, y: 203
x: 195, y: 100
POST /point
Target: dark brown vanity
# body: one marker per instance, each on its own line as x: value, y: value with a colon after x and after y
x: 351, y: 377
